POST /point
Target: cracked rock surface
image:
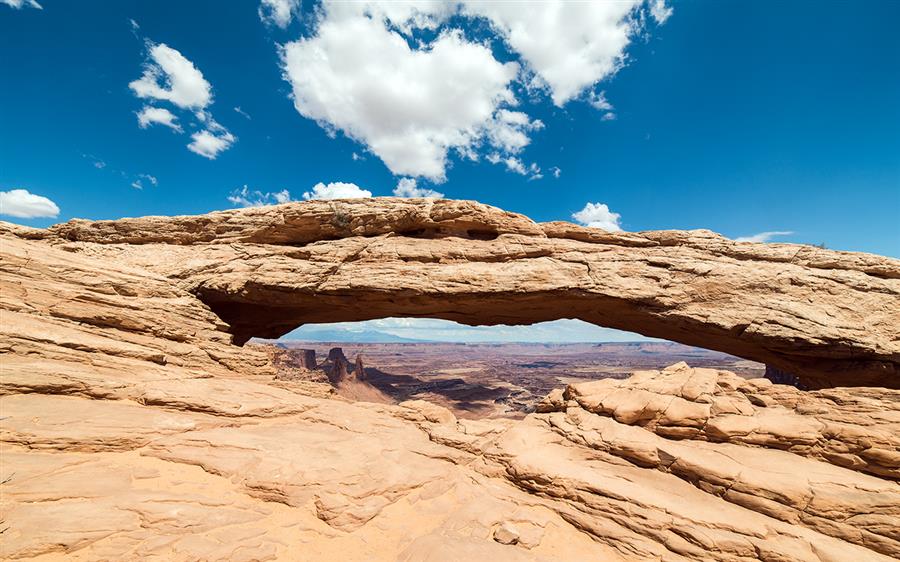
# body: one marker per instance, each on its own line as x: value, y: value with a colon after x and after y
x: 132, y: 428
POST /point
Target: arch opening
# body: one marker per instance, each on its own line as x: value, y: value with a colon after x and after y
x: 270, y: 312
x: 475, y: 371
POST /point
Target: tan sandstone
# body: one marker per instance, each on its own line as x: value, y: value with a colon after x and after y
x: 132, y: 428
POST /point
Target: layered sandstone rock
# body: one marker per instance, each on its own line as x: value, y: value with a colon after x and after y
x: 132, y: 428
x: 293, y: 370
x: 827, y: 317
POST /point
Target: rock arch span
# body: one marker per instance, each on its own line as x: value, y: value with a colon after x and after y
x: 832, y: 318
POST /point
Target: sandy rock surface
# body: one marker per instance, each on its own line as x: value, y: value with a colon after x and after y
x: 132, y: 428
x: 827, y: 317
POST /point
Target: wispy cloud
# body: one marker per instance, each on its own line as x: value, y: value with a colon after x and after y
x: 764, y: 236
x: 278, y: 12
x: 407, y: 187
x: 246, y: 197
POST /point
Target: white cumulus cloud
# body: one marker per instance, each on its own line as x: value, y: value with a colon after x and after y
x: 598, y: 215
x: 336, y: 190
x: 24, y: 205
x: 764, y: 236
x: 150, y: 115
x: 246, y: 197
x: 407, y: 187
x: 413, y: 102
x: 569, y: 45
x: 169, y: 76
x: 410, y: 107
x: 209, y: 144
x: 278, y: 12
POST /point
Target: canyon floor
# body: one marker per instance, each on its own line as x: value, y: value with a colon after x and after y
x: 136, y: 425
x: 481, y: 380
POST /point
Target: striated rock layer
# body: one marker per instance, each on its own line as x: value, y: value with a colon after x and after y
x: 829, y: 318
x: 132, y: 428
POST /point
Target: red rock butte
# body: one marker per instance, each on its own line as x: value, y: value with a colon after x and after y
x: 830, y: 318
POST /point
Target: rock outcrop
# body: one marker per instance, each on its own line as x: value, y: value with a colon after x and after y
x: 133, y: 428
x: 337, y: 367
x: 309, y: 359
x: 359, y: 370
x: 827, y: 317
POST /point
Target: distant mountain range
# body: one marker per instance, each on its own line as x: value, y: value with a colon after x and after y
x: 351, y: 336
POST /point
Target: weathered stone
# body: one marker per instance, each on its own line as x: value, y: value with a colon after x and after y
x: 132, y: 428
x: 827, y: 317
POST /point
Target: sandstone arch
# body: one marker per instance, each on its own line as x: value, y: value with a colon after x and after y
x: 829, y: 317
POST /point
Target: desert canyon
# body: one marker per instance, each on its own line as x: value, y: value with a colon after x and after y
x: 139, y: 423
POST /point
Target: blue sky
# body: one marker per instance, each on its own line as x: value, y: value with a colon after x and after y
x: 740, y: 117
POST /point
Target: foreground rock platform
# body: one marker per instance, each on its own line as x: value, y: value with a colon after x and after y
x: 133, y: 428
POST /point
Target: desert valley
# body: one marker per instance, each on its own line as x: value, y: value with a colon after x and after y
x: 478, y: 380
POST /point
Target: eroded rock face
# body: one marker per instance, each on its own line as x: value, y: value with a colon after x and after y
x: 830, y: 318
x: 132, y: 429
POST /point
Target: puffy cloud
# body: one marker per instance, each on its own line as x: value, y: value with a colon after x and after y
x: 24, y: 205
x: 245, y: 197
x: 407, y: 187
x: 209, y: 144
x: 150, y: 115
x: 764, y: 236
x: 278, y: 12
x: 556, y: 172
x: 19, y: 4
x: 336, y: 190
x: 598, y: 215
x: 409, y: 106
x: 570, y: 46
x: 170, y: 77
x: 509, y: 130
x: 366, y: 73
